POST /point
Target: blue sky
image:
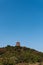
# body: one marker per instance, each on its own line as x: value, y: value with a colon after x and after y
x: 21, y: 20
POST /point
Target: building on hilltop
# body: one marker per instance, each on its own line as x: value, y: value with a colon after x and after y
x: 17, y: 43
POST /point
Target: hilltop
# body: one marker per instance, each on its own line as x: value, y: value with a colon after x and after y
x: 12, y: 55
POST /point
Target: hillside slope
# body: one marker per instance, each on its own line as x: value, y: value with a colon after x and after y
x: 13, y: 55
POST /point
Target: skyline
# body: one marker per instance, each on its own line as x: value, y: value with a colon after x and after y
x: 21, y: 20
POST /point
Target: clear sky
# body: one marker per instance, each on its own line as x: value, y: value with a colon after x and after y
x: 21, y: 20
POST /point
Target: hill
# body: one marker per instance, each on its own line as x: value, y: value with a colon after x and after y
x: 13, y: 55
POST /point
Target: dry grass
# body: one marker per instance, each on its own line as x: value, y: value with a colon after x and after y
x: 30, y: 64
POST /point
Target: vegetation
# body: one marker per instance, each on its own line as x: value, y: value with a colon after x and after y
x: 13, y: 55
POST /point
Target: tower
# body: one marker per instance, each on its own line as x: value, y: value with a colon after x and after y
x: 17, y: 43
